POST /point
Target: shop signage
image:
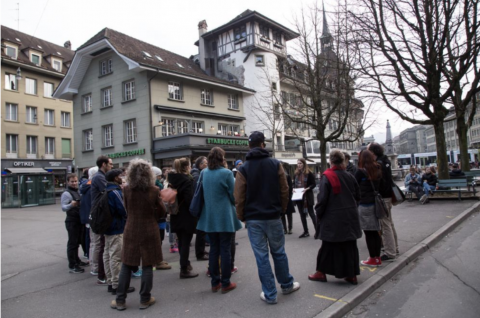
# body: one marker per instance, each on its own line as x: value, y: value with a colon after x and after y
x: 127, y: 153
x: 227, y: 141
x: 55, y: 164
x: 293, y: 155
x: 23, y: 163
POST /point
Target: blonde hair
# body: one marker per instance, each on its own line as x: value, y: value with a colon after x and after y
x: 181, y: 165
x: 140, y: 174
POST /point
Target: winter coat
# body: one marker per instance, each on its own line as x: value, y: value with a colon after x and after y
x: 387, y: 181
x: 290, y: 206
x: 367, y: 195
x: 456, y: 173
x: 337, y: 214
x: 409, y: 180
x: 99, y: 183
x: 183, y: 221
x: 141, y: 238
x: 117, y: 209
x: 86, y: 202
x: 218, y: 213
x: 430, y: 178
x: 351, y: 168
x: 309, y: 186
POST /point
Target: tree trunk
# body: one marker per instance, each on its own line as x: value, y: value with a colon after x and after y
x: 323, y: 155
x: 442, y: 160
x: 462, y: 131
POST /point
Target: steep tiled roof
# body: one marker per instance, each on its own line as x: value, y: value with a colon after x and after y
x: 28, y: 41
x: 134, y: 48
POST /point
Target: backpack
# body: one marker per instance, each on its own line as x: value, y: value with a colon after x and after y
x: 169, y: 198
x: 100, y: 216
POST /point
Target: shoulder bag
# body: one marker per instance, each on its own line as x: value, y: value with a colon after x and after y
x: 381, y: 210
x: 169, y: 199
x: 398, y: 197
x: 196, y: 205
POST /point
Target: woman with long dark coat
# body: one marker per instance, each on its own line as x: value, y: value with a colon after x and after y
x: 141, y: 239
x: 183, y: 224
x: 338, y: 223
x: 287, y: 216
x: 305, y: 179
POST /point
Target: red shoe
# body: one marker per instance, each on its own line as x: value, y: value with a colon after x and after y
x: 216, y: 288
x: 352, y: 280
x: 230, y: 287
x: 318, y: 277
x: 375, y: 261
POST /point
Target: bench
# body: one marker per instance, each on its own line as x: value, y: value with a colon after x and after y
x: 456, y: 185
x: 473, y: 176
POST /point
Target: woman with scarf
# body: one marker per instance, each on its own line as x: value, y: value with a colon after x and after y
x: 338, y: 223
x: 305, y: 179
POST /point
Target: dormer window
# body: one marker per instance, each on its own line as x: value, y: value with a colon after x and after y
x: 59, y: 53
x: 105, y: 67
x: 11, y: 51
x: 57, y: 65
x: 159, y: 58
x: 36, y: 59
x: 180, y: 65
x: 264, y: 31
x: 146, y: 54
x: 277, y: 38
x: 240, y: 33
x: 39, y: 47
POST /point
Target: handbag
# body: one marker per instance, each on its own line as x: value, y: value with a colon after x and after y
x: 169, y: 199
x: 398, y: 197
x: 381, y: 210
x: 196, y: 205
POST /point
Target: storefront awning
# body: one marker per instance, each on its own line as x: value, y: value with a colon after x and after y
x: 26, y: 170
x: 55, y: 168
x: 289, y: 161
x: 312, y: 160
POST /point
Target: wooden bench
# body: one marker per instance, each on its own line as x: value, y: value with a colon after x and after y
x: 455, y: 186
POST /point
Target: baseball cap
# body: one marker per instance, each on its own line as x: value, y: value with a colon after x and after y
x: 257, y: 136
x: 112, y: 174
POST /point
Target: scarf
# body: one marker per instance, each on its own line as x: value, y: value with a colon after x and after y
x: 333, y: 179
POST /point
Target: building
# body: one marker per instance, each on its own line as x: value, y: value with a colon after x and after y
x: 133, y: 99
x: 413, y: 140
x: 37, y: 129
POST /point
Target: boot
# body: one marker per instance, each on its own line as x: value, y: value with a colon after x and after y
x: 187, y: 274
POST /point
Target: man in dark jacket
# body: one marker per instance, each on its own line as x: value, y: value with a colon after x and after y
x: 389, y: 234
x: 202, y: 255
x: 70, y: 202
x: 350, y: 167
x: 261, y: 196
x: 456, y: 172
x: 112, y: 257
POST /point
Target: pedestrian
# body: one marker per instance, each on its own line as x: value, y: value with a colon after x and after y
x: 70, y: 201
x: 85, y: 209
x: 261, y: 196
x: 429, y: 181
x: 338, y: 223
x: 112, y: 256
x: 287, y: 216
x: 413, y: 183
x: 305, y: 179
x: 141, y: 238
x: 202, y: 255
x: 218, y: 218
x: 368, y: 177
x: 389, y: 234
x: 184, y: 223
x: 350, y: 167
x: 238, y: 163
x: 162, y: 225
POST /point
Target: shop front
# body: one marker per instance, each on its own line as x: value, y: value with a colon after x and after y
x: 28, y: 183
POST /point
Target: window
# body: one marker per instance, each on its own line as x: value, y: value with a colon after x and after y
x: 274, y: 86
x: 31, y: 145
x: 47, y: 89
x: 11, y: 82
x: 87, y: 140
x: 240, y: 33
x: 87, y: 103
x: 31, y: 86
x: 106, y: 67
x: 259, y: 61
x: 107, y: 136
x: 182, y: 126
x: 174, y: 91
x: 207, y: 96
x: 233, y: 130
x: 11, y: 112
x: 277, y: 38
x: 66, y: 148
x: 11, y: 51
x: 65, y: 119
x: 57, y: 65
x: 214, y: 46
x: 107, y: 97
x: 232, y: 101
x: 35, y: 59
x: 180, y: 65
x: 264, y: 31
x: 168, y: 128
x: 197, y: 127
x: 222, y: 129
x: 49, y: 146
x: 130, y: 131
x: 129, y: 90
x: 159, y: 58
x: 12, y: 143
x: 31, y: 115
x: 49, y: 119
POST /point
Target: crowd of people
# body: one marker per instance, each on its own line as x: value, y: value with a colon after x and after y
x: 256, y: 194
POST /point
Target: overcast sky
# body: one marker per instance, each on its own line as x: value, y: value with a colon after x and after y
x: 171, y: 25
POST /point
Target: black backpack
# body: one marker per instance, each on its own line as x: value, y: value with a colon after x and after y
x: 100, y: 216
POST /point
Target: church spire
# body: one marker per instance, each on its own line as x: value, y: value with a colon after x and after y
x: 325, y: 31
x: 326, y: 38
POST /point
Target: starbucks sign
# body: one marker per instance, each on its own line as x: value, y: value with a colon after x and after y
x: 227, y: 142
x: 135, y: 152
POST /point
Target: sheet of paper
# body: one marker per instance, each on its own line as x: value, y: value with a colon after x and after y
x: 297, y: 194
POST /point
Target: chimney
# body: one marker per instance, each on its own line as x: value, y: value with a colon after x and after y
x: 68, y: 45
x: 202, y: 29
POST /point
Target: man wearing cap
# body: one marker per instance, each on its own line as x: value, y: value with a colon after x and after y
x: 456, y: 172
x: 261, y: 196
x: 238, y: 163
x: 112, y: 256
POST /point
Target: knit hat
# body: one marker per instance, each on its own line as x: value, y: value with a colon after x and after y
x: 156, y: 171
x: 112, y: 174
x: 237, y: 162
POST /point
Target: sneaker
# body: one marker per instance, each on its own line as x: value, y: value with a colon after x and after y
x: 270, y: 302
x: 372, y: 261
x: 173, y: 249
x: 147, y: 304
x: 188, y: 274
x: 229, y: 288
x: 386, y: 258
x: 117, y: 306
x: 101, y: 282
x: 85, y: 256
x: 163, y: 265
x: 83, y: 264
x: 76, y: 270
x: 289, y: 231
x: 203, y: 258
x: 93, y: 273
x: 208, y: 273
x: 137, y: 274
x: 234, y: 269
x: 110, y: 288
x: 294, y: 288
x: 423, y: 199
x: 129, y: 290
x: 305, y: 234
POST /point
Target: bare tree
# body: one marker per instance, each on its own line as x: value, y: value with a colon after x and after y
x: 418, y: 53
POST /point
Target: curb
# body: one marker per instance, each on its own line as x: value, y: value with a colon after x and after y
x: 359, y: 294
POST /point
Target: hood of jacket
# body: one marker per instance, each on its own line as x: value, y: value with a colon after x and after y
x: 176, y: 180
x: 257, y: 152
x: 113, y: 186
x: 85, y: 187
x: 195, y: 172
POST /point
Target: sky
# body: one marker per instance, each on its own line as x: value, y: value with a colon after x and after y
x: 171, y: 25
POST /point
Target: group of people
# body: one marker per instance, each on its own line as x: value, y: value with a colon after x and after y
x: 258, y: 193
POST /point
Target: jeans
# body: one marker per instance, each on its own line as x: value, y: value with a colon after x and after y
x: 265, y: 234
x: 200, y: 244
x: 112, y: 258
x: 184, y: 240
x: 74, y: 230
x: 427, y: 188
x: 124, y: 283
x: 220, y: 245
x: 417, y: 189
x: 303, y: 216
